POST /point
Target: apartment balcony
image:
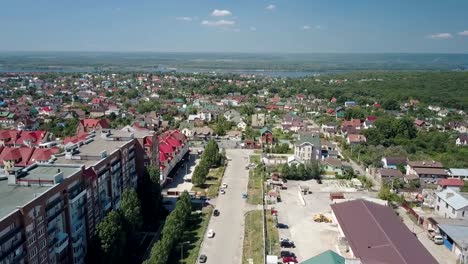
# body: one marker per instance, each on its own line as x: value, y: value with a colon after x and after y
x: 106, y: 204
x: 115, y: 168
x: 77, y: 241
x: 13, y: 232
x: 131, y: 154
x: 77, y: 229
x: 15, y: 245
x: 62, y: 242
x: 55, y: 211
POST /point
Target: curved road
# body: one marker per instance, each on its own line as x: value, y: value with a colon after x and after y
x: 226, y: 246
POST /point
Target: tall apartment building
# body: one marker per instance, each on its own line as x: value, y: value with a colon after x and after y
x: 49, y: 211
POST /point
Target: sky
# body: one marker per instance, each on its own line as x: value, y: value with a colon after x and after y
x: 286, y: 26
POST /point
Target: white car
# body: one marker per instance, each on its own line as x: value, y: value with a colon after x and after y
x: 224, y: 185
x: 210, y: 233
x: 222, y: 191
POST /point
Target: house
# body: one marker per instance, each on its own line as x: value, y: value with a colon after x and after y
x: 329, y: 129
x: 307, y: 148
x: 339, y: 112
x: 202, y: 132
x: 458, y: 173
x: 353, y: 125
x: 332, y: 166
x: 373, y: 233
x: 242, y: 125
x: 387, y: 175
x: 258, y: 120
x: 87, y: 125
x: 230, y: 115
x: 393, y: 162
x: 455, y: 234
x: 234, y: 135
x: 266, y: 136
x: 419, y: 123
x: 368, y: 124
x: 327, y: 257
x: 353, y: 139
x: 426, y: 171
x: 350, y: 103
x: 450, y: 203
x: 452, y: 183
x: 462, y: 140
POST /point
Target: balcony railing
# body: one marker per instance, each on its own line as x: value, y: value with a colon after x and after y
x: 14, y: 246
x: 9, y: 235
x: 62, y: 242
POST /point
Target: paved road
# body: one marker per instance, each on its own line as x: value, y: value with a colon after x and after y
x: 226, y: 246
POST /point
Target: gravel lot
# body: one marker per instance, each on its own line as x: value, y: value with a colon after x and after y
x: 311, y: 238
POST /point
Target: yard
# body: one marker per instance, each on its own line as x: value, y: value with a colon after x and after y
x: 213, y: 181
x: 253, y: 238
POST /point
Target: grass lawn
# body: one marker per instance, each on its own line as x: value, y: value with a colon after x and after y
x: 196, y: 228
x: 272, y: 240
x: 213, y: 181
x: 254, y: 188
x: 253, y: 238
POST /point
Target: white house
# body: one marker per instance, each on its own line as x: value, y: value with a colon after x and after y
x: 451, y: 204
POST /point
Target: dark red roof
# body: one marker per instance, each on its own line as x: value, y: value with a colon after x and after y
x: 22, y: 154
x: 43, y: 154
x: 377, y: 235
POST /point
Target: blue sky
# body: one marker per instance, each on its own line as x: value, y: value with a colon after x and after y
x: 363, y: 26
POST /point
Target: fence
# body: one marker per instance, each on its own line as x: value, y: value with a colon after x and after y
x: 407, y: 207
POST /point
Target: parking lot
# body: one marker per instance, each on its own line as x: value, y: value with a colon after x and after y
x: 311, y: 238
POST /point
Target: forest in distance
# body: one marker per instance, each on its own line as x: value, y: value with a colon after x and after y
x: 149, y: 61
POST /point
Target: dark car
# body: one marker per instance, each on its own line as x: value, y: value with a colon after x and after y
x: 319, y: 181
x: 287, y: 254
x: 287, y: 244
x: 289, y: 260
x: 216, y: 212
x: 282, y: 226
x: 202, y: 259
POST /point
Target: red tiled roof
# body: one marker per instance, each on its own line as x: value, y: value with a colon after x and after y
x: 91, y: 123
x: 23, y: 154
x: 352, y: 123
x: 451, y: 182
x: 7, y: 134
x: 75, y: 139
x: 356, y: 138
x: 43, y: 154
x: 377, y: 235
x: 34, y: 136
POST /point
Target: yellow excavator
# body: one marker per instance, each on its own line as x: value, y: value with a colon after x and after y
x: 321, y: 218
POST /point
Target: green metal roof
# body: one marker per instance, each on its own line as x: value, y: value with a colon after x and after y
x: 327, y: 257
x: 265, y: 129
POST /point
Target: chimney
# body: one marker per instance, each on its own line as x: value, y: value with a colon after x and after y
x: 424, y: 163
x: 449, y: 195
x: 58, y: 170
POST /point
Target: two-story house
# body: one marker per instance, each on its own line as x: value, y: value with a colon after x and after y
x: 308, y: 147
x: 452, y: 204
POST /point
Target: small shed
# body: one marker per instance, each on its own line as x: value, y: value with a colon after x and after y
x: 336, y: 196
x: 270, y: 259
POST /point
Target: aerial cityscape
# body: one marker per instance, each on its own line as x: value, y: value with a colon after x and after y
x: 234, y: 132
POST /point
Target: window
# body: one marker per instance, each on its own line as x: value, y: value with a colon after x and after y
x: 43, y: 257
x: 31, y: 238
x: 446, y: 205
x: 453, y: 210
x: 42, y: 244
x: 33, y: 252
x: 439, y: 199
x: 463, y: 214
x: 40, y: 231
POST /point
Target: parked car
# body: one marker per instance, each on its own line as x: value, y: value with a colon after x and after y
x: 287, y: 244
x: 224, y: 185
x: 287, y: 254
x: 210, y: 233
x: 289, y: 260
x: 216, y: 212
x: 282, y: 226
x: 438, y: 239
x: 202, y: 259
x: 319, y: 181
x: 244, y: 195
x: 222, y: 191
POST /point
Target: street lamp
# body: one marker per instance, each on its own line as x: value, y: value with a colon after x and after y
x: 182, y: 250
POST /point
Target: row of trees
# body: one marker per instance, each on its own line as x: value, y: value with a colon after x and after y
x: 304, y: 172
x: 172, y: 231
x: 210, y: 158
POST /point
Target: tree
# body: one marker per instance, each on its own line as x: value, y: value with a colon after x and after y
x: 200, y: 173
x: 390, y: 104
x: 150, y: 196
x: 112, y: 237
x: 131, y: 209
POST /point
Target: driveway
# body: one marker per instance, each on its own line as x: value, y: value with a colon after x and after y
x: 226, y: 246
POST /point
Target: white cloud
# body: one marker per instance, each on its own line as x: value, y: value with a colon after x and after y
x: 270, y: 7
x: 441, y: 36
x: 253, y: 29
x: 306, y: 27
x: 188, y: 19
x: 218, y: 23
x: 463, y: 33
x: 318, y: 27
x: 221, y: 13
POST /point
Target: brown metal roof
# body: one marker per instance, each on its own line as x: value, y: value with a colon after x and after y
x: 377, y: 235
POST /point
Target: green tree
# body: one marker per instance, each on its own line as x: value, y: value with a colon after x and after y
x: 112, y: 237
x: 131, y: 209
x: 150, y: 196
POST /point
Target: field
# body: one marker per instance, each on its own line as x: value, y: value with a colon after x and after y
x: 253, y: 238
